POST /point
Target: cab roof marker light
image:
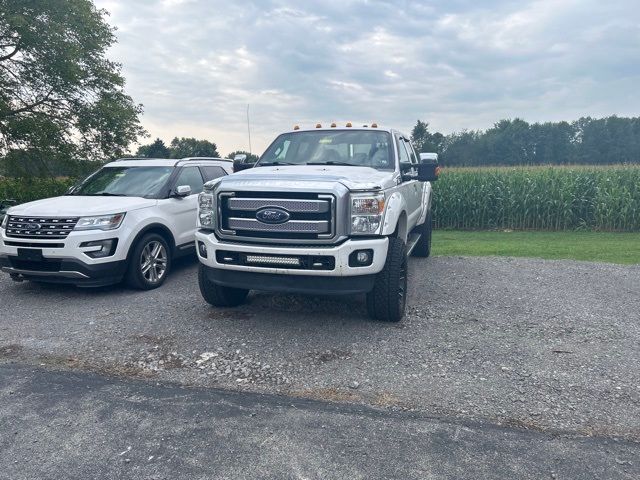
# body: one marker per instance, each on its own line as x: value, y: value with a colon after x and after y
x: 297, y: 127
x: 318, y: 125
x: 365, y: 126
x: 348, y: 125
x: 333, y: 125
x: 374, y: 125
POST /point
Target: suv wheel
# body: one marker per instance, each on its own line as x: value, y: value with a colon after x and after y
x: 388, y: 298
x: 217, y: 295
x: 150, y: 262
x: 423, y: 247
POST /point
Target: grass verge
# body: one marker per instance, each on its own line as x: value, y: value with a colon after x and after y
x: 608, y: 247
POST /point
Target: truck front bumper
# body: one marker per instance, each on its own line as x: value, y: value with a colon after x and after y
x: 305, y: 269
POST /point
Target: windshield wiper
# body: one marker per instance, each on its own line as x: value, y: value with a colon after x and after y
x: 331, y: 162
x: 271, y: 164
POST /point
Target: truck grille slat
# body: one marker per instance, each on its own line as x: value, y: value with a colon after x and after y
x: 40, y: 227
x: 292, y: 226
x: 293, y: 206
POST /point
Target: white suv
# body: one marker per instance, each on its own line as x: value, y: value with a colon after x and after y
x: 127, y: 221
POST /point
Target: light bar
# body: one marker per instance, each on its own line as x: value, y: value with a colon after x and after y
x: 265, y: 260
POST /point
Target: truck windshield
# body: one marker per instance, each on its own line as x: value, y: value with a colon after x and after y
x: 125, y: 182
x: 359, y: 148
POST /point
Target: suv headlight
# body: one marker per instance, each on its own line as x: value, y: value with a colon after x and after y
x: 366, y: 213
x: 102, y: 222
x: 205, y: 211
x: 5, y: 220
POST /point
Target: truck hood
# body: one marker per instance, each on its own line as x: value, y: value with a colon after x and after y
x: 80, y: 206
x: 353, y: 178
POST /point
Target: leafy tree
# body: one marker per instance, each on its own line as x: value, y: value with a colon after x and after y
x: 425, y: 141
x: 251, y: 158
x: 190, y: 147
x: 60, y: 97
x: 156, y: 149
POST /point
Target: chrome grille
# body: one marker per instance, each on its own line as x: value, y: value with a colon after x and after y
x: 310, y: 216
x: 40, y: 227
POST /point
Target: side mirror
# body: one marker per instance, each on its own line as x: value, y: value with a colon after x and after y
x: 241, y: 158
x: 428, y: 169
x: 183, y: 191
x: 241, y: 166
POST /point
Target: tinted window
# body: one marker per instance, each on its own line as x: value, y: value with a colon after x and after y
x: 190, y: 176
x: 212, y: 172
x: 125, y: 181
x: 402, y: 152
x: 412, y: 152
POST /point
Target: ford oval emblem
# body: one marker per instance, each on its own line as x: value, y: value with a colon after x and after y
x: 33, y: 226
x: 273, y: 215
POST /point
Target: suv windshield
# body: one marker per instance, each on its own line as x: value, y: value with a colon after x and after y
x: 125, y: 182
x: 360, y: 148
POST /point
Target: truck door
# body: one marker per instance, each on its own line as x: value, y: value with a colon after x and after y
x: 421, y: 186
x: 410, y: 184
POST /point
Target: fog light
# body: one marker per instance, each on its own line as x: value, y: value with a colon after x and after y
x: 361, y: 258
x: 202, y: 249
x: 100, y: 248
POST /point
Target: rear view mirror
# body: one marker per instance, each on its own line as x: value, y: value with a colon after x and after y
x: 241, y: 166
x: 183, y: 191
x: 428, y: 169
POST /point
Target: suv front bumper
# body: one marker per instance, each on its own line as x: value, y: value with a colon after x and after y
x: 63, y: 261
x: 339, y: 278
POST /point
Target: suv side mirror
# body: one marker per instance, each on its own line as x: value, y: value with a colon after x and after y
x: 428, y: 169
x: 241, y: 158
x: 183, y: 191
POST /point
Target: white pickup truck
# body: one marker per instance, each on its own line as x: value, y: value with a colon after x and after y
x: 326, y: 211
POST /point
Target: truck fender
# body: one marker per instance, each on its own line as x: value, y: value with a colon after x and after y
x: 427, y: 196
x: 396, y: 209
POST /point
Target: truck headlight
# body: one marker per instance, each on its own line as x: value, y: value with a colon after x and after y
x: 205, y: 210
x: 366, y: 213
x: 102, y: 222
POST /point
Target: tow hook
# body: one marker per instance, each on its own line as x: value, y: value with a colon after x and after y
x: 16, y: 277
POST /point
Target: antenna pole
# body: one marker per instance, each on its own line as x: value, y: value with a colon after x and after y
x: 249, y: 128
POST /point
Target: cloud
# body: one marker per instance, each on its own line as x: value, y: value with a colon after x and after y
x: 196, y: 64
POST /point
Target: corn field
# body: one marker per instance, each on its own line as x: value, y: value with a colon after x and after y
x: 539, y: 198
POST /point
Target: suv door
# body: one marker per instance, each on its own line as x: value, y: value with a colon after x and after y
x: 410, y: 184
x: 181, y: 211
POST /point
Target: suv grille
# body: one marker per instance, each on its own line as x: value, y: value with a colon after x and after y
x: 307, y: 216
x: 38, y: 227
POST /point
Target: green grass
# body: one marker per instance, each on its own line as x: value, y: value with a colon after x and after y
x: 590, y: 246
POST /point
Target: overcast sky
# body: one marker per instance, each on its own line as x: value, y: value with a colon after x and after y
x: 458, y: 64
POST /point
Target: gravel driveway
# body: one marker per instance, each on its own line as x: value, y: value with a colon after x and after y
x: 546, y: 345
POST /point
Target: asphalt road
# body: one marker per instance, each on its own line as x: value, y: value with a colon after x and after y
x: 61, y: 425
x: 546, y: 346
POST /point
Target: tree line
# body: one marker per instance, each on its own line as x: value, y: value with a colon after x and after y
x: 589, y: 141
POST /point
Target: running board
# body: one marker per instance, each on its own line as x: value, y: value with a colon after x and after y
x: 412, y: 241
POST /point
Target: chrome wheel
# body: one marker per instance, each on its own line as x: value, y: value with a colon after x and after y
x: 153, y: 262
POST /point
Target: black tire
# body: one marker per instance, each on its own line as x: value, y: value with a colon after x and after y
x: 136, y: 276
x: 387, y: 300
x: 217, y: 295
x: 423, y: 247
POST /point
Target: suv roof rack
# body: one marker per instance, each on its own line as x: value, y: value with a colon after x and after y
x: 203, y: 159
x: 126, y: 159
